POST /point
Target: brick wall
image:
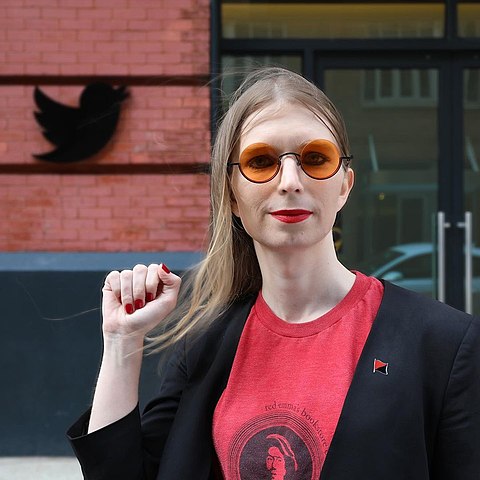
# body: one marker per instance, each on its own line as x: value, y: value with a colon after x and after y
x: 160, y: 50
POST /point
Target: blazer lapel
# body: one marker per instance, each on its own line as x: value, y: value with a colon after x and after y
x: 209, y: 362
x: 367, y: 399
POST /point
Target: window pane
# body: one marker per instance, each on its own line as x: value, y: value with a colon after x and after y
x: 406, y: 83
x: 369, y: 85
x: 384, y: 88
x: 469, y: 19
x: 386, y: 224
x: 235, y: 67
x: 472, y: 88
x: 332, y: 20
x: 471, y: 178
x: 386, y: 83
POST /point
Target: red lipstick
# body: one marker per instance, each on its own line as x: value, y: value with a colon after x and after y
x: 291, y: 216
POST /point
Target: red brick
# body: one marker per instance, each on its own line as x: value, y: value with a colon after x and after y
x: 24, y: 57
x: 112, y: 69
x: 164, y: 35
x: 58, y: 13
x: 78, y: 46
x: 16, y: 13
x: 94, y: 13
x: 130, y: 58
x: 89, y: 35
x: 164, y: 58
x: 128, y: 213
x: 144, y: 46
x: 93, y: 234
x: 78, y: 25
x: 78, y: 224
x: 143, y: 25
x: 59, y: 35
x: 59, y: 58
x: 164, y: 14
x: 78, y: 180
x: 165, y: 234
x: 79, y: 3
x: 38, y: 3
x: 154, y: 39
x: 40, y: 69
x: 111, y: 47
x: 95, y: 213
x: 129, y: 13
x: 110, y: 24
x: 92, y: 57
x: 166, y: 213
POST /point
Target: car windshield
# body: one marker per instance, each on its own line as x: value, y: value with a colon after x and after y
x: 373, y: 263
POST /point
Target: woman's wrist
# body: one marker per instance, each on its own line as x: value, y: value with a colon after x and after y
x: 123, y: 349
x: 123, y: 340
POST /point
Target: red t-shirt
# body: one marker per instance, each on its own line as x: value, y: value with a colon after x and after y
x: 277, y: 416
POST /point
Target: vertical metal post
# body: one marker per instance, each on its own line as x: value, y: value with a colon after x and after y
x: 442, y: 225
x: 467, y: 225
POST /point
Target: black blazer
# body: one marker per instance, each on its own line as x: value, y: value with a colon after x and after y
x: 419, y: 422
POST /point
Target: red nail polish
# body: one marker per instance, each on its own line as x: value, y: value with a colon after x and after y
x: 129, y: 308
x: 150, y: 297
x: 138, y: 304
x: 165, y: 268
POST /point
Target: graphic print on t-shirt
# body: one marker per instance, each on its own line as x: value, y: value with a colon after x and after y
x: 278, y: 413
x: 280, y: 445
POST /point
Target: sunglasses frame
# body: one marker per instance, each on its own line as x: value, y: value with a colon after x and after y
x: 345, y: 159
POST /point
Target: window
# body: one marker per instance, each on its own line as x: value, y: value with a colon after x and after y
x: 235, y: 67
x: 469, y: 19
x: 267, y: 19
x: 471, y: 88
x: 416, y: 267
x: 397, y: 87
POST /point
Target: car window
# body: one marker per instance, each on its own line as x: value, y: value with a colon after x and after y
x: 415, y: 267
x: 371, y: 264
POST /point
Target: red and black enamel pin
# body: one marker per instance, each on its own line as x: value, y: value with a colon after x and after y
x: 380, y: 367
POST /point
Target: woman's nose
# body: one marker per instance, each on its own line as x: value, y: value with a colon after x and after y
x: 290, y: 174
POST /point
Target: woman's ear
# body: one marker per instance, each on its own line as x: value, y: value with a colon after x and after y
x: 237, y: 222
x: 233, y: 203
x: 347, y: 185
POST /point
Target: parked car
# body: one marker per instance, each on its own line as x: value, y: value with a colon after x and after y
x: 413, y: 266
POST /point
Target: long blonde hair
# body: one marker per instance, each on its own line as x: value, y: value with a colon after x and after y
x: 230, y: 269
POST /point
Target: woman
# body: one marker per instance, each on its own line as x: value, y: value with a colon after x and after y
x: 272, y: 335
x: 280, y: 457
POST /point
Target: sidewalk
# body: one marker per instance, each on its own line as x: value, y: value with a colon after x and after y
x: 40, y: 468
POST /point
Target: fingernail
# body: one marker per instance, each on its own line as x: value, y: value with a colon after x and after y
x: 165, y: 268
x: 150, y: 297
x: 138, y: 304
x: 129, y: 308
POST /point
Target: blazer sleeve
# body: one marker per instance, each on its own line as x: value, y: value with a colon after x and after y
x: 457, y: 452
x: 132, y: 446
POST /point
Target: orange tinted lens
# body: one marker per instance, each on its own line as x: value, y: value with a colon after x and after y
x: 320, y: 159
x: 259, y: 162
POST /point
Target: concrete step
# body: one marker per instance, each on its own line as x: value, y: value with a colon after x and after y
x: 40, y: 468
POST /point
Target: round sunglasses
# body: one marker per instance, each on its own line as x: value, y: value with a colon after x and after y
x: 319, y: 159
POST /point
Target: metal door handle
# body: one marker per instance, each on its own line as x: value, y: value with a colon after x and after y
x: 467, y: 225
x: 442, y: 225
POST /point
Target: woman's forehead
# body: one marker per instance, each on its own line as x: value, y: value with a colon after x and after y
x: 292, y: 122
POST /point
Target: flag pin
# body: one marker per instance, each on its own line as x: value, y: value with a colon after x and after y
x: 380, y: 367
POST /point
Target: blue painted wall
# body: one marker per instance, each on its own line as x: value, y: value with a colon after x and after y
x: 50, y: 344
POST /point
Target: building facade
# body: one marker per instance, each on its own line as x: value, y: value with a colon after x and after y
x: 405, y: 75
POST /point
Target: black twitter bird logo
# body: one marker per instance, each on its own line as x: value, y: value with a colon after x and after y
x: 80, y: 132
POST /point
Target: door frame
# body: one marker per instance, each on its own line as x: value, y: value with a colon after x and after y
x: 450, y: 195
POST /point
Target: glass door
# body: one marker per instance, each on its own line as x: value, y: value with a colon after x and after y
x: 387, y: 228
x: 413, y: 217
x: 471, y: 121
